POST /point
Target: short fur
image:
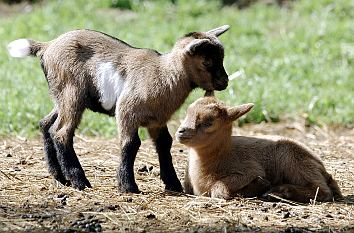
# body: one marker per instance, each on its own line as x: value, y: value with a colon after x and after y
x: 153, y: 86
x: 223, y: 166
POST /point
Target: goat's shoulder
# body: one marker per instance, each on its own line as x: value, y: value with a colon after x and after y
x: 252, y: 145
x: 265, y: 141
x: 144, y: 57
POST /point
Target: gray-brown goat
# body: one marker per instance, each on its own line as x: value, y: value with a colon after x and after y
x: 223, y: 166
x: 140, y: 87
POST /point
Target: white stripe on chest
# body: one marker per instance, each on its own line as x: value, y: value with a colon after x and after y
x: 109, y: 83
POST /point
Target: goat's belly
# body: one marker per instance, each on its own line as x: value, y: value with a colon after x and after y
x: 110, y: 85
x: 96, y: 106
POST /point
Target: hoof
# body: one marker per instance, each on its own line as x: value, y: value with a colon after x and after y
x: 128, y: 188
x: 81, y: 184
x: 78, y: 179
x: 174, y: 188
x: 61, y: 179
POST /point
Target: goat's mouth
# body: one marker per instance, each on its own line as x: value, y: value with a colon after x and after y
x: 183, y: 137
x: 220, y: 85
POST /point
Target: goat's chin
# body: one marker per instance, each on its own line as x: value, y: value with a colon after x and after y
x: 181, y: 140
x: 184, y: 139
x: 190, y: 142
x: 220, y: 87
x: 206, y: 86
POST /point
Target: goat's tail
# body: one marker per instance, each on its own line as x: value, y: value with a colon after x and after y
x: 24, y: 48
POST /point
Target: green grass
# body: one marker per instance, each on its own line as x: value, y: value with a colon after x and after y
x: 296, y: 60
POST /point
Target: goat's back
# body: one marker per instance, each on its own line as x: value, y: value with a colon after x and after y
x: 82, y: 46
x: 283, y: 159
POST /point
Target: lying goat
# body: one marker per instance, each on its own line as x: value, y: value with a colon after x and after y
x: 223, y: 166
x: 140, y: 87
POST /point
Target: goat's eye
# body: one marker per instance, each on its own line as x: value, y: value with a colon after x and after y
x: 207, y: 64
x: 207, y: 124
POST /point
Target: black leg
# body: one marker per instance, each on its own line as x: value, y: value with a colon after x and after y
x: 70, y: 165
x: 62, y: 133
x: 125, y: 172
x: 163, y: 143
x: 49, y: 149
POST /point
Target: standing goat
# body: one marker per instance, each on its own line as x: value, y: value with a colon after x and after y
x: 140, y: 87
x: 223, y: 166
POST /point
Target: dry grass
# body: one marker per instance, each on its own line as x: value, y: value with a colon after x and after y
x: 31, y: 201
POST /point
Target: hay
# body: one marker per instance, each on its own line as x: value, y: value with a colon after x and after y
x: 30, y: 199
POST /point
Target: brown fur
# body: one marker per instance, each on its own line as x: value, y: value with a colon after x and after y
x: 223, y: 166
x: 155, y: 86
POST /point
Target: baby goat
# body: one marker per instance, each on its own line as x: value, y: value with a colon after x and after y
x: 223, y: 166
x: 140, y: 87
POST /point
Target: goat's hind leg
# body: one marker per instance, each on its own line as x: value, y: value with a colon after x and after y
x: 49, y: 148
x: 256, y: 188
x: 301, y: 193
x: 62, y: 133
x: 129, y: 143
x: 163, y: 143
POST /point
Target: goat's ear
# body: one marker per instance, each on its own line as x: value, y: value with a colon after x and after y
x: 234, y: 113
x: 194, y: 44
x: 218, y: 31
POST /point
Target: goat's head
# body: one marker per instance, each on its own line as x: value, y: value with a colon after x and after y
x: 207, y: 120
x: 203, y: 58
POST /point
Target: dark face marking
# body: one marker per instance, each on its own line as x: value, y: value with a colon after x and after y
x: 213, y: 56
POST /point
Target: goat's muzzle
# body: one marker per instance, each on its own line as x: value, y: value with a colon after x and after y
x: 221, y: 84
x: 221, y: 80
x: 184, y: 134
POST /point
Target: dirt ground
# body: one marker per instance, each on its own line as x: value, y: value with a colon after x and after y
x: 30, y: 201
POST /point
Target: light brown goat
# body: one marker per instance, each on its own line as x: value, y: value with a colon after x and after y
x: 140, y: 87
x: 223, y: 166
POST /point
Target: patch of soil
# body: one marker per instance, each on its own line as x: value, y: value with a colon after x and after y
x: 30, y: 201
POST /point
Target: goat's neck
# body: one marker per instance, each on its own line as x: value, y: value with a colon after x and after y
x: 172, y: 67
x: 217, y: 150
x: 175, y: 78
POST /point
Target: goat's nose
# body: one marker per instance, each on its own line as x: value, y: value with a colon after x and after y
x: 181, y: 130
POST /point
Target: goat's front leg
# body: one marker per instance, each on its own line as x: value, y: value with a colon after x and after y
x: 238, y: 184
x: 220, y: 190
x: 129, y: 143
x: 188, y: 187
x: 62, y: 133
x: 163, y: 142
x: 49, y: 148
